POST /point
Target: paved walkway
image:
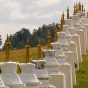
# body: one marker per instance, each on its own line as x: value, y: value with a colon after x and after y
x: 82, y: 74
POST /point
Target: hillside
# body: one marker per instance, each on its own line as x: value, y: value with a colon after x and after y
x: 82, y: 74
x: 19, y: 55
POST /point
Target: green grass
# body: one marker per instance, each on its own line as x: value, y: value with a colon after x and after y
x: 19, y: 55
x: 82, y: 74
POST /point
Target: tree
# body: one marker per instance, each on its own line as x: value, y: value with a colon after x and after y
x: 19, y: 38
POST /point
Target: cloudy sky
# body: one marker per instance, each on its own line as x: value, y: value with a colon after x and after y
x: 16, y: 14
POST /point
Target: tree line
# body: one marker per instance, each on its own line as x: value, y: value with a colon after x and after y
x: 19, y: 39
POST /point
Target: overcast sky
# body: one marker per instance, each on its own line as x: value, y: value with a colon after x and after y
x: 16, y: 14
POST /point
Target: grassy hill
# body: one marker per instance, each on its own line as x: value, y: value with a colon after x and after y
x: 82, y: 74
x: 19, y: 55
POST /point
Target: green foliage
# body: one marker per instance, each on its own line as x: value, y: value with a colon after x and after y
x: 19, y: 38
x: 82, y: 74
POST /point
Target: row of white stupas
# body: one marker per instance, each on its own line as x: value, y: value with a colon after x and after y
x: 58, y: 67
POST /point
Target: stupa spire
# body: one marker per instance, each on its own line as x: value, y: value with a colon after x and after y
x: 79, y: 5
x: 63, y: 19
x: 82, y: 7
x: 67, y: 12
x: 49, y: 41
x: 74, y: 9
x: 77, y: 8
x: 55, y: 35
x: 87, y: 14
x: 39, y: 47
x: 27, y: 56
x: 7, y: 48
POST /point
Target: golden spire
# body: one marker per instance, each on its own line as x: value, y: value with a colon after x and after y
x: 8, y: 39
x: 87, y: 14
x: 61, y: 25
x: 55, y: 35
x: 82, y: 8
x: 74, y: 9
x: 79, y: 6
x: 58, y: 28
x: 84, y: 12
x: 7, y: 47
x: 49, y: 41
x: 67, y: 13
x: 27, y: 56
x: 39, y: 56
x: 63, y: 19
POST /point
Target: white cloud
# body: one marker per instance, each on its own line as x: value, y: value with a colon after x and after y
x: 43, y: 3
x: 12, y: 10
x: 15, y: 14
x: 11, y: 28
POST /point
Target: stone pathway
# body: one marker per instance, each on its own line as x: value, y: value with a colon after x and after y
x: 82, y: 74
